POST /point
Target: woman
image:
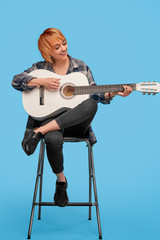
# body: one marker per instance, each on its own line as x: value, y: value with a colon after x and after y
x: 74, y: 122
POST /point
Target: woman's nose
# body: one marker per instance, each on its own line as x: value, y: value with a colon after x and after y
x: 63, y: 47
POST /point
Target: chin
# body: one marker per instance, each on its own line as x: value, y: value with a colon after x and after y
x: 64, y: 57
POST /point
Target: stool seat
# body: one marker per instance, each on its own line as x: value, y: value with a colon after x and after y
x: 76, y: 139
x: 92, y: 181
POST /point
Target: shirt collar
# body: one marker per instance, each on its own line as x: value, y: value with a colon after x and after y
x: 72, y: 65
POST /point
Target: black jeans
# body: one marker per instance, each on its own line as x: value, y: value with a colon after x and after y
x: 73, y: 123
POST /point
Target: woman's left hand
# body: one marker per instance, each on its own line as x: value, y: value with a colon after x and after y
x: 126, y: 92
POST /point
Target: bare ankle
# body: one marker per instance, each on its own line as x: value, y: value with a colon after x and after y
x: 40, y: 129
x: 61, y: 177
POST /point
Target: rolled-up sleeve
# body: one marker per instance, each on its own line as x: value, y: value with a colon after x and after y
x: 20, y: 81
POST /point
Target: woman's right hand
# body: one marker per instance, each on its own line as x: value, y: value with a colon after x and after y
x: 50, y: 83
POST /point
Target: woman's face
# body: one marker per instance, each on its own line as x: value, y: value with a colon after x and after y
x: 59, y: 51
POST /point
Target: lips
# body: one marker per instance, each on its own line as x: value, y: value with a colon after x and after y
x: 63, y: 53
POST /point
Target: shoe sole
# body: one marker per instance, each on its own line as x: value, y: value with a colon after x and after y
x: 61, y: 205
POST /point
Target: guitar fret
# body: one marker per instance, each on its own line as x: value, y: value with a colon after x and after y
x: 101, y: 88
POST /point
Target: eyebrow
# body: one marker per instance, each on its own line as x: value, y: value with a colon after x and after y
x: 57, y: 44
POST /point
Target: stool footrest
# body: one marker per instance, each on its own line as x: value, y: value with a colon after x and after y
x: 68, y: 204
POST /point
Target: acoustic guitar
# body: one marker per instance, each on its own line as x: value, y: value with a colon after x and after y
x: 41, y: 103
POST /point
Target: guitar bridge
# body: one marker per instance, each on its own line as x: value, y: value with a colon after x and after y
x: 41, y: 95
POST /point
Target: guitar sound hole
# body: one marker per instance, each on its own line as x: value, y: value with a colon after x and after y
x: 68, y: 91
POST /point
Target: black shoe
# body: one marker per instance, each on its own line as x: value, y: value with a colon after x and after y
x: 29, y: 145
x: 60, y: 196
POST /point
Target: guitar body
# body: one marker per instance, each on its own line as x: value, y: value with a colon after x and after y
x: 41, y: 103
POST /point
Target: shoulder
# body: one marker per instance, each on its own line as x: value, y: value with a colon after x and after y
x: 41, y: 64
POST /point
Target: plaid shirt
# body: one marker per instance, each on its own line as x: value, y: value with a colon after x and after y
x: 20, y: 81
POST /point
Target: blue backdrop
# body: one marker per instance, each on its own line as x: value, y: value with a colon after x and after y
x: 120, y: 41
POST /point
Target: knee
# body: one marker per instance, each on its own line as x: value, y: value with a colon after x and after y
x: 54, y: 139
x: 91, y: 105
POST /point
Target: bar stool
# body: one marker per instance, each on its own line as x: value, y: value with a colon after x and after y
x: 39, y: 178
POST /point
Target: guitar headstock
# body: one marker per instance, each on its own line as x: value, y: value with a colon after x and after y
x: 148, y: 87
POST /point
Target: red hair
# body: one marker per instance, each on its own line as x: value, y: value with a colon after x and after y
x: 47, y: 40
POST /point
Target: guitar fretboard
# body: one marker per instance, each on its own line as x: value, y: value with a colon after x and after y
x: 79, y: 90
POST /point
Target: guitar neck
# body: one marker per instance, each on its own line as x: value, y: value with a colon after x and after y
x: 79, y: 90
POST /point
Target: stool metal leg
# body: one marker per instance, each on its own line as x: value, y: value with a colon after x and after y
x: 95, y: 192
x: 41, y: 179
x: 35, y: 191
x: 90, y: 180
